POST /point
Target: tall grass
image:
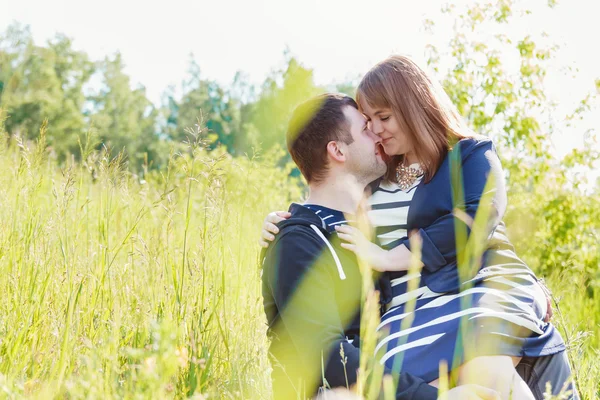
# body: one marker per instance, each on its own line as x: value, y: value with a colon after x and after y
x: 114, y: 285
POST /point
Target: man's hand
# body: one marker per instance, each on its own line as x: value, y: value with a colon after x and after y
x: 270, y: 229
x: 548, y: 293
x: 470, y: 392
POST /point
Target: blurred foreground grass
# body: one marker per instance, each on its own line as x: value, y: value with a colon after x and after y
x: 114, y: 285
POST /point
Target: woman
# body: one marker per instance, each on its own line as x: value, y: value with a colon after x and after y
x: 485, y: 316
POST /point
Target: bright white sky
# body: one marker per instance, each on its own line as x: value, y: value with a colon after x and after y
x: 339, y: 39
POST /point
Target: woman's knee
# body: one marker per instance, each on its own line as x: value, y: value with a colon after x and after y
x: 495, y: 372
x: 487, y: 366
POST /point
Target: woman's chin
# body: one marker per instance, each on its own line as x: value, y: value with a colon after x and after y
x: 382, y: 153
x: 390, y: 151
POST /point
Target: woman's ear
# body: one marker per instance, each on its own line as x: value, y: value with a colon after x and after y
x: 336, y: 151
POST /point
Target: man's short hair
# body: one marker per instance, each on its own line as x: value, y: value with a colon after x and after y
x: 315, y: 123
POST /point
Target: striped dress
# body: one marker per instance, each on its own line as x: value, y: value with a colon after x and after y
x: 501, y: 314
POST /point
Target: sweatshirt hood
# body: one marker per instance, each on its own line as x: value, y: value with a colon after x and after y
x: 306, y: 217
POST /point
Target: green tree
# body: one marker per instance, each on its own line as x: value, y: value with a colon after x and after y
x: 43, y: 82
x: 220, y: 109
x: 281, y: 93
x: 124, y: 118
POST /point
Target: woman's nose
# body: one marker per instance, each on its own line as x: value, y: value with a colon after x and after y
x: 376, y: 128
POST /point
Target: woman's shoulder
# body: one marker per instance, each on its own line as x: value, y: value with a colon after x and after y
x: 474, y: 143
x: 475, y: 140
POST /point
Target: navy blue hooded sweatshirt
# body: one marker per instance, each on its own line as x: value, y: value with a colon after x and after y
x: 311, y: 294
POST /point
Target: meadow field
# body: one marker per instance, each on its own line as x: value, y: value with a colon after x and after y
x: 116, y: 285
x: 129, y: 257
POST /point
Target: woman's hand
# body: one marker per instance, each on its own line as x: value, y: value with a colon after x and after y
x: 270, y: 229
x: 397, y: 259
x: 369, y: 252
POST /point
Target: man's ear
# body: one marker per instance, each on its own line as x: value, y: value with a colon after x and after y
x: 336, y: 151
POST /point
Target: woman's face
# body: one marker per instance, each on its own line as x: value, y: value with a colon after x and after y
x: 383, y: 123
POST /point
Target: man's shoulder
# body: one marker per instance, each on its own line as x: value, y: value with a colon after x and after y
x: 295, y: 239
x: 292, y: 233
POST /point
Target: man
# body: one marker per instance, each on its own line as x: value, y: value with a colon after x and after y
x: 311, y: 285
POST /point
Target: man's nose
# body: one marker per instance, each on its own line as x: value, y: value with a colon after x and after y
x: 374, y: 137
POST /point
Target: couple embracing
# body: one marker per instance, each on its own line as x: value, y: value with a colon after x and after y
x: 402, y: 145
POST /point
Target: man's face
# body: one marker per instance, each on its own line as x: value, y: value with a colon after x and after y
x: 363, y: 158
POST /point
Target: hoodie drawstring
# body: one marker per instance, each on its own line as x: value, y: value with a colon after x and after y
x: 333, y: 253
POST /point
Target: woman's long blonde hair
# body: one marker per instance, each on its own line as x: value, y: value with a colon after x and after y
x: 421, y: 107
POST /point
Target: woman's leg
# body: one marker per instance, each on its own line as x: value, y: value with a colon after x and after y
x: 498, y: 373
x: 515, y: 362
